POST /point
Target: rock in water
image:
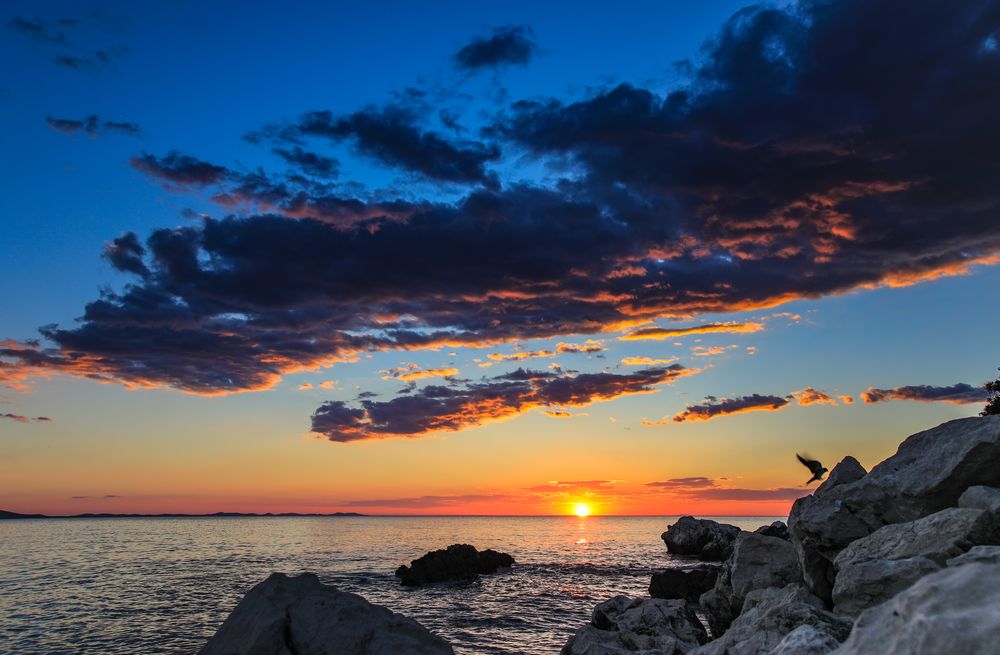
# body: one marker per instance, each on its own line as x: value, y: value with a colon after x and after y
x: 706, y: 539
x: 955, y: 610
x: 456, y: 562
x: 770, y: 616
x: 877, y: 567
x: 928, y: 473
x: 757, y: 562
x: 637, y: 626
x: 688, y: 584
x: 296, y: 615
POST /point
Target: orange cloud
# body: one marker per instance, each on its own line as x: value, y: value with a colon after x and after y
x: 660, y: 333
x: 647, y: 361
x: 810, y: 396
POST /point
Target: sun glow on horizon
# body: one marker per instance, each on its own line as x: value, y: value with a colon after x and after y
x: 581, y: 510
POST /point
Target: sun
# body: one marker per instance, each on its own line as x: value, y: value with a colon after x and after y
x: 581, y: 510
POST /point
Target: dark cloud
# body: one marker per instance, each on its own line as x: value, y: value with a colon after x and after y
x: 93, y: 62
x: 37, y: 29
x: 796, y: 163
x: 783, y: 493
x: 683, y: 483
x: 91, y: 125
x: 42, y: 419
x: 15, y: 417
x: 437, y: 408
x: 714, y: 407
x: 125, y: 253
x: 958, y: 394
x: 660, y: 333
x: 508, y: 45
x: 390, y: 135
x: 310, y: 163
x: 180, y: 169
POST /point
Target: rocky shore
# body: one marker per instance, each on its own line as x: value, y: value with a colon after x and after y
x: 902, y: 559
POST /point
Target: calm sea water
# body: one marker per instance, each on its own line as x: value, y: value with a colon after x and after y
x: 132, y: 586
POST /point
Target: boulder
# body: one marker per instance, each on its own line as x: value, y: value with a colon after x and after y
x: 770, y: 615
x: 777, y: 529
x: 806, y: 640
x: 703, y: 538
x: 928, y: 473
x: 977, y: 554
x: 846, y: 471
x: 955, y: 610
x: 980, y: 497
x: 877, y: 567
x: 288, y: 615
x: 688, y: 584
x: 757, y: 562
x: 636, y: 626
x: 456, y: 562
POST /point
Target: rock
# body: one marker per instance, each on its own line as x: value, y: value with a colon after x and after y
x: 288, y: 615
x: 980, y: 497
x: 977, y: 554
x: 688, y: 584
x: 877, y: 567
x: 955, y: 610
x: 757, y: 562
x: 777, y: 529
x: 928, y: 473
x: 846, y: 471
x: 637, y: 626
x: 806, y: 640
x: 770, y: 615
x: 704, y: 538
x: 457, y: 562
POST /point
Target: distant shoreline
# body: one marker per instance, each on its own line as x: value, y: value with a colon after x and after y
x: 5, y: 515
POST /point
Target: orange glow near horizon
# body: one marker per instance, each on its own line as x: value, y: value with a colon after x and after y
x: 582, y: 510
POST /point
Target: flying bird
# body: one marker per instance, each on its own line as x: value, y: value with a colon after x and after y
x: 817, y: 469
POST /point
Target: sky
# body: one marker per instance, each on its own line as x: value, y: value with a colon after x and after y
x: 487, y: 259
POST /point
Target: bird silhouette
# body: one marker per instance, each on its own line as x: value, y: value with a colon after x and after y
x: 817, y: 469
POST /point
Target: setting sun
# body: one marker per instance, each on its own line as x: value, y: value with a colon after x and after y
x: 581, y: 510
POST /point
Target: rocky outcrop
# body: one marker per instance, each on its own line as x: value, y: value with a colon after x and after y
x: 777, y: 529
x: 928, y: 473
x: 689, y: 583
x: 846, y: 471
x: 769, y: 616
x: 757, y: 562
x: 954, y: 610
x: 456, y: 562
x: 633, y: 626
x: 877, y: 567
x: 703, y: 538
x: 980, y: 497
x: 977, y: 555
x: 288, y: 615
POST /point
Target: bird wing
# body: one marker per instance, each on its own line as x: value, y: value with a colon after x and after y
x: 810, y: 464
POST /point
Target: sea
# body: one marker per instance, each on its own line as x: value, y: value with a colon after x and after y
x: 164, y: 585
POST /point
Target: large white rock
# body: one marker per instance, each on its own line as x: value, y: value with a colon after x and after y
x: 299, y: 616
x: 877, y: 567
x: 638, y: 626
x: 955, y: 610
x: 770, y: 615
x: 928, y: 473
x: 757, y: 562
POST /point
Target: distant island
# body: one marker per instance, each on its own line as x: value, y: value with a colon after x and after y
x: 14, y: 515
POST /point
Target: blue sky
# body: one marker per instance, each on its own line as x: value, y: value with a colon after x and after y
x: 198, y: 79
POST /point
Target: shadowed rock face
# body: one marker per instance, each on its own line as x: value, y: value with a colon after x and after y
x: 955, y: 610
x: 456, y: 562
x: 623, y: 626
x: 688, y: 584
x: 928, y: 473
x: 702, y: 538
x: 297, y: 615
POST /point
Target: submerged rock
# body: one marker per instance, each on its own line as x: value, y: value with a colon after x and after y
x: 295, y: 615
x: 634, y: 626
x: 688, y: 584
x: 703, y: 538
x: 955, y: 610
x: 757, y: 562
x: 769, y: 616
x: 456, y: 562
x: 928, y: 473
x: 877, y: 567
